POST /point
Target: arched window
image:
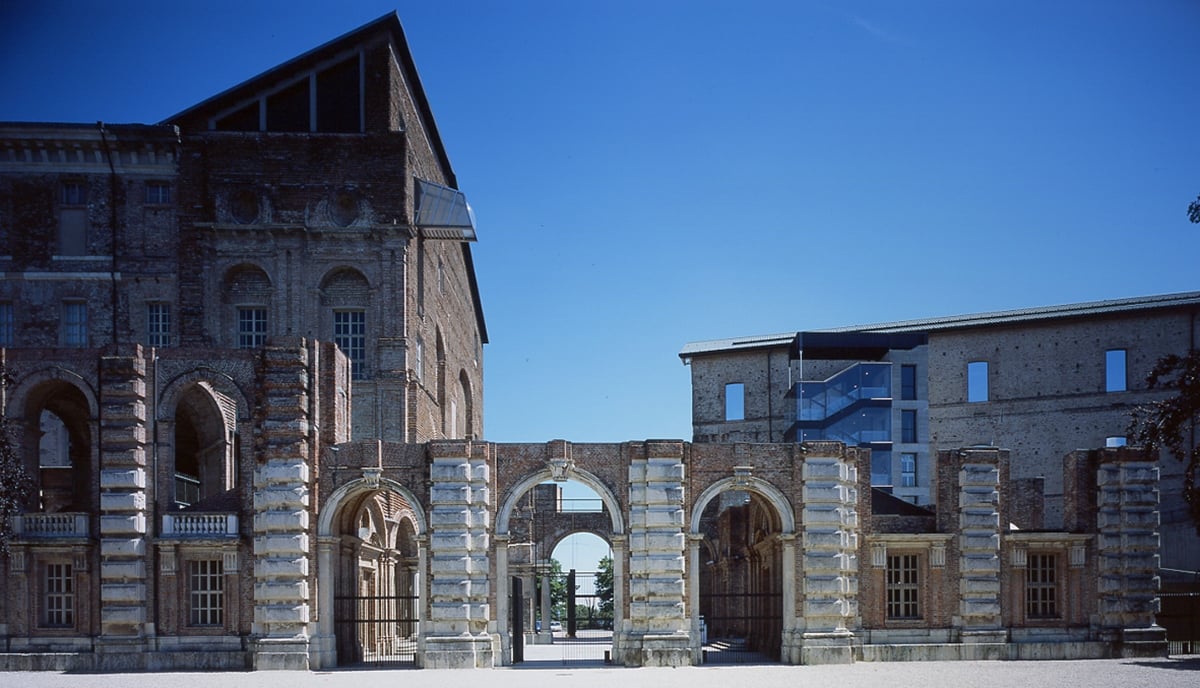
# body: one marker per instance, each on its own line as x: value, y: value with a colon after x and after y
x: 346, y: 296
x: 246, y: 293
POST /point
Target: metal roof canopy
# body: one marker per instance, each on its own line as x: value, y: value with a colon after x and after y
x: 853, y: 346
x: 443, y: 212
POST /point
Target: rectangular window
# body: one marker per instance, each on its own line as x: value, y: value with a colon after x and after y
x: 158, y: 193
x: 74, y: 194
x: 206, y: 592
x: 1115, y: 441
x: 158, y: 324
x: 735, y: 401
x: 1041, y: 586
x: 908, y: 382
x: 6, y: 324
x: 252, y: 328
x: 350, y: 334
x: 977, y: 381
x: 72, y: 220
x: 74, y: 324
x: 881, y: 468
x: 419, y: 358
x: 58, y: 598
x: 1114, y: 370
x: 903, y: 587
x: 908, y: 426
x: 908, y: 470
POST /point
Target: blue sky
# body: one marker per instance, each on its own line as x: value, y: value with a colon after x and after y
x: 647, y: 174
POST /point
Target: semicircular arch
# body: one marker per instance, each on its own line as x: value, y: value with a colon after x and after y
x: 216, y: 384
x: 761, y: 487
x: 358, y: 487
x: 519, y: 489
x: 30, y: 385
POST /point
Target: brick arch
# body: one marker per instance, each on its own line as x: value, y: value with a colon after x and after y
x: 517, y: 490
x: 214, y: 382
x: 29, y: 385
x: 773, y: 495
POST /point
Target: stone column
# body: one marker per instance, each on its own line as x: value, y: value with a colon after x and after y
x: 501, y: 625
x: 457, y: 636
x: 324, y: 651
x: 281, y: 497
x: 619, y: 546
x: 1128, y: 552
x: 789, y: 646
x: 694, y: 541
x: 979, y: 618
x: 830, y: 560
x: 658, y: 628
x: 545, y: 636
x: 123, y: 553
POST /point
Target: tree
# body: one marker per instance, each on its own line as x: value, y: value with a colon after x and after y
x: 1170, y: 423
x: 15, y: 483
x: 1194, y: 210
x: 604, y: 587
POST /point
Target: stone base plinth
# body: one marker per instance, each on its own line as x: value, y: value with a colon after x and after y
x: 1143, y: 642
x: 459, y: 652
x: 667, y: 650
x: 826, y: 648
x: 281, y: 655
x: 986, y: 637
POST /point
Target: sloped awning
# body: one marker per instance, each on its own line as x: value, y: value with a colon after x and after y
x: 443, y: 213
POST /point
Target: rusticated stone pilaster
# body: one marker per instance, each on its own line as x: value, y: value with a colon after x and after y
x: 979, y: 472
x: 658, y: 624
x: 460, y: 516
x: 1127, y: 543
x: 282, y: 546
x: 830, y: 560
x: 123, y: 551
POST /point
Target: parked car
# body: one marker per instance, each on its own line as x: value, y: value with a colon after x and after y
x: 555, y: 627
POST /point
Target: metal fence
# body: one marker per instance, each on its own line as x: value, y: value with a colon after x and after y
x: 379, y: 631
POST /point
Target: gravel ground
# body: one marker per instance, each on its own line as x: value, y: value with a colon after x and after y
x: 1157, y: 673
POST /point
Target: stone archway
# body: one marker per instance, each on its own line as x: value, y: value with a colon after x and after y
x: 371, y: 557
x: 613, y: 533
x: 743, y: 587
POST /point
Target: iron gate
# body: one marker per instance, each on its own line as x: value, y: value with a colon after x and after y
x: 741, y: 628
x: 378, y: 630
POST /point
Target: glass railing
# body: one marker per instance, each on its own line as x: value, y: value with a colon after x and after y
x: 865, y: 426
x: 820, y: 400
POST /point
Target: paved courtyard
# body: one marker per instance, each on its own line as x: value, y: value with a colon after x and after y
x: 1159, y: 673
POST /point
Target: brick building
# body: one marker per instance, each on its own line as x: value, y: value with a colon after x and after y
x: 1039, y: 382
x: 246, y: 351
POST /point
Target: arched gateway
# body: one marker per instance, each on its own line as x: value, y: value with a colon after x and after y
x: 655, y: 495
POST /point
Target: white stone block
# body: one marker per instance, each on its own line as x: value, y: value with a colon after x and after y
x: 122, y: 548
x: 122, y: 524
x: 123, y: 479
x: 280, y: 591
x: 123, y: 501
x: 123, y: 593
x: 281, y: 545
x: 281, y: 471
x: 281, y: 613
x: 280, y: 521
x: 122, y: 570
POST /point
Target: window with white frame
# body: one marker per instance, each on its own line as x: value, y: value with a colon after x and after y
x: 6, y: 324
x: 903, y: 586
x: 58, y: 595
x: 1041, y: 586
x: 206, y: 592
x: 158, y: 324
x: 350, y: 334
x: 74, y: 324
x: 252, y: 327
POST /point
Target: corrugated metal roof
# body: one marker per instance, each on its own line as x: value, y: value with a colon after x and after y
x: 765, y: 341
x: 1073, y: 310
